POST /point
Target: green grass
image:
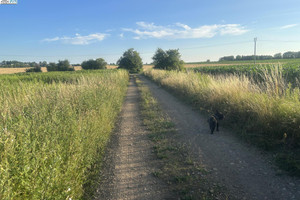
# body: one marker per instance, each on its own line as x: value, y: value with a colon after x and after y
x: 282, y: 61
x: 53, y: 131
x: 260, y: 112
x: 178, y: 169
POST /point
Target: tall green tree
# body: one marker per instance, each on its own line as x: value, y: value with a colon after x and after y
x: 131, y: 61
x: 168, y: 60
x: 94, y: 64
x: 62, y: 65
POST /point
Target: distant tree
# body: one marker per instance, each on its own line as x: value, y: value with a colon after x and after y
x: 227, y: 58
x: 248, y: 57
x: 43, y: 64
x: 37, y: 68
x: 52, y: 67
x: 94, y: 64
x: 131, y: 61
x: 289, y: 54
x: 101, y: 62
x: 168, y: 60
x: 62, y: 65
x: 238, y: 57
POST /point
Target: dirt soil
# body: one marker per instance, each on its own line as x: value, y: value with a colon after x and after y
x: 130, y: 161
x: 245, y: 171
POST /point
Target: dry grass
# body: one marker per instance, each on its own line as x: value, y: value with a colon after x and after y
x: 23, y: 69
x: 12, y: 70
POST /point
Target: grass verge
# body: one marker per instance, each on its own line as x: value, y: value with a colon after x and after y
x: 178, y: 169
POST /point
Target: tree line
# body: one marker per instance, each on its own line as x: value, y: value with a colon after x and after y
x: 18, y: 64
x: 286, y: 55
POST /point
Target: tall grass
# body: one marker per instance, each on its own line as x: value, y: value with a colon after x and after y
x: 53, y: 130
x: 264, y: 111
x: 289, y: 71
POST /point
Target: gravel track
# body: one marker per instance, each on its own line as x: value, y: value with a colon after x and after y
x: 129, y: 161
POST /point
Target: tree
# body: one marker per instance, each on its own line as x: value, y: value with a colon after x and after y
x: 131, y: 61
x: 227, y: 58
x: 43, y: 64
x: 238, y: 57
x: 62, y: 65
x: 289, y: 54
x: 37, y: 68
x: 94, y: 64
x: 52, y: 67
x: 168, y: 60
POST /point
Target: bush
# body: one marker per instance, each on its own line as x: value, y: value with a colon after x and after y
x: 62, y: 65
x: 131, y: 61
x: 94, y: 64
x: 34, y: 69
x: 168, y: 60
x: 52, y: 67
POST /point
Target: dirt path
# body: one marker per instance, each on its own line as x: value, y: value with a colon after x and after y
x: 130, y: 161
x: 244, y: 170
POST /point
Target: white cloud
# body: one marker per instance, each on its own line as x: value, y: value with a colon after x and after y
x: 51, y: 39
x: 232, y: 29
x: 183, y: 31
x: 288, y: 26
x: 79, y: 39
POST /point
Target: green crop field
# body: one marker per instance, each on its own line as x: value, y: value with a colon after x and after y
x: 236, y: 62
x: 53, y: 130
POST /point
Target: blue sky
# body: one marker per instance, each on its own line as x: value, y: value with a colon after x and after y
x: 77, y: 30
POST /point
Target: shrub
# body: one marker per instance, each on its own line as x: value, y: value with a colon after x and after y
x: 168, y: 60
x: 131, y: 61
x: 62, y: 65
x: 34, y: 69
x: 94, y: 64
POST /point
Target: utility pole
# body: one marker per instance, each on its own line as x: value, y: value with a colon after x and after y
x: 255, y: 39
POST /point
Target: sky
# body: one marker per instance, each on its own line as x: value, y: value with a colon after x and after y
x: 52, y: 30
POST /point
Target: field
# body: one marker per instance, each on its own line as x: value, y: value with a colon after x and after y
x: 54, y: 126
x: 53, y: 130
x: 265, y: 111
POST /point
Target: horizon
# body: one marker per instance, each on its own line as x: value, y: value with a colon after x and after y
x: 56, y: 30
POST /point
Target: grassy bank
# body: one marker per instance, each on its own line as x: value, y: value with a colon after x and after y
x: 178, y: 169
x: 53, y: 130
x: 262, y: 113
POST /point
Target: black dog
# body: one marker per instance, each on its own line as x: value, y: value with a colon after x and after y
x: 214, y: 121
